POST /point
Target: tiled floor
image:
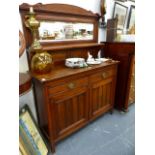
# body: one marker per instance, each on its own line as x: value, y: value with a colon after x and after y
x: 107, y: 135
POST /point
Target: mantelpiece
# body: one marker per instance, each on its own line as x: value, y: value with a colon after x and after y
x: 67, y: 99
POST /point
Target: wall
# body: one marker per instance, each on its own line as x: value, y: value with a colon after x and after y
x: 93, y: 5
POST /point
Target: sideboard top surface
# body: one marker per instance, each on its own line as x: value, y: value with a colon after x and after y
x: 61, y: 72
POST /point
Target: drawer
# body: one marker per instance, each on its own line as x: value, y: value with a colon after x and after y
x: 68, y: 86
x: 102, y: 75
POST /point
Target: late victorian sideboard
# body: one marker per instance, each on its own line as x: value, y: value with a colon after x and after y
x: 66, y: 98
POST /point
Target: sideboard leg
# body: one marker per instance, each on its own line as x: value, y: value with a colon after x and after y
x: 52, y: 147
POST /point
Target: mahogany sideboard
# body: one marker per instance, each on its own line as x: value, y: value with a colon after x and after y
x: 125, y: 87
x: 66, y: 98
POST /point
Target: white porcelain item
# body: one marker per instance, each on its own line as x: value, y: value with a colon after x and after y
x: 93, y: 62
x: 75, y: 62
x: 102, y: 59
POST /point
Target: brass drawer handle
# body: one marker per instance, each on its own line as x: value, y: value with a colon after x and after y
x: 71, y: 85
x: 105, y: 75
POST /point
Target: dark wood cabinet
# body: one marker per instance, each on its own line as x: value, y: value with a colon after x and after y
x: 125, y: 53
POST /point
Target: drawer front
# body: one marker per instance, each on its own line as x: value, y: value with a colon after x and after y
x: 68, y: 86
x: 102, y: 75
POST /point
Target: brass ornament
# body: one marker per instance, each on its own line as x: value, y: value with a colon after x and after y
x: 103, y: 7
x: 41, y: 62
x: 103, y: 12
x: 33, y: 25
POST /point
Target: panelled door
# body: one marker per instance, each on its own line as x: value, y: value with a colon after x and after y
x: 70, y: 111
x: 101, y: 96
x: 102, y: 92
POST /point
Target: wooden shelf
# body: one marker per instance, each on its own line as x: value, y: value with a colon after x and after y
x: 63, y: 71
x: 70, y: 46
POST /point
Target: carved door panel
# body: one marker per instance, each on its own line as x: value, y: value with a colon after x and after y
x: 70, y: 111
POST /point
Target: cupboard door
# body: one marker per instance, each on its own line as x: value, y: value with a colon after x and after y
x: 102, y: 95
x: 70, y: 111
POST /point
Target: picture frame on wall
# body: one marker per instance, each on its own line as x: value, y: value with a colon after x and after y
x: 120, y: 12
x: 31, y: 141
x: 131, y: 18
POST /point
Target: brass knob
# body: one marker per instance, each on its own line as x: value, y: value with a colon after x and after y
x: 105, y: 75
x: 71, y: 85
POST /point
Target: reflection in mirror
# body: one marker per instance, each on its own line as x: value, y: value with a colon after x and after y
x: 65, y: 31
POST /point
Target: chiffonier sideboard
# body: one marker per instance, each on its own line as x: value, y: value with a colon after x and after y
x: 125, y: 88
x: 67, y: 98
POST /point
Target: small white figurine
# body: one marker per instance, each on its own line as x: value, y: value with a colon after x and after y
x: 90, y: 57
x: 99, y: 54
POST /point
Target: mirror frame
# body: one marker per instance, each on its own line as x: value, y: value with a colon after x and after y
x: 59, y: 12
